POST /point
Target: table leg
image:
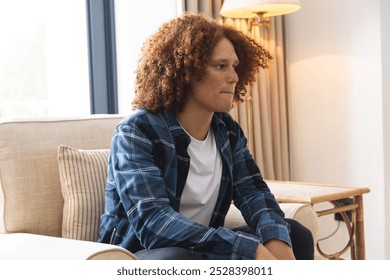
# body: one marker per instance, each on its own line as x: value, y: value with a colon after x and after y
x: 360, y: 245
x: 351, y: 227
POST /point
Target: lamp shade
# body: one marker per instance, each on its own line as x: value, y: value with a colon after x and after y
x: 268, y: 8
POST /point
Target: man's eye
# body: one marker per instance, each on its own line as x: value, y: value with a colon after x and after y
x: 221, y: 66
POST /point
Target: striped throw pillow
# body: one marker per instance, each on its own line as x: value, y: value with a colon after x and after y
x: 83, y: 175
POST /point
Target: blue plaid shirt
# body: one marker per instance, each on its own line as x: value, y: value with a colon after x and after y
x: 148, y: 167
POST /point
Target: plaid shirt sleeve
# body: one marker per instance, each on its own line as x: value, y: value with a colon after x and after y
x: 136, y: 183
x: 253, y: 197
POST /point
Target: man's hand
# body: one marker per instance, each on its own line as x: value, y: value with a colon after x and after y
x: 274, y: 250
x: 262, y: 253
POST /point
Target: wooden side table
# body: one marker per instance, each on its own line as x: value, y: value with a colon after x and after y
x: 297, y: 192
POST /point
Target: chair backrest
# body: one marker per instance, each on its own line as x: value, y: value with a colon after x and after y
x: 30, y: 190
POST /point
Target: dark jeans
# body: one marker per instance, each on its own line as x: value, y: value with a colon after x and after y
x: 301, y: 238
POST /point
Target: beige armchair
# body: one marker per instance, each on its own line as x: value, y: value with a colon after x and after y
x: 52, y: 174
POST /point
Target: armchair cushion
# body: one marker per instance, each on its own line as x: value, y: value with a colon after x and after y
x: 83, y: 175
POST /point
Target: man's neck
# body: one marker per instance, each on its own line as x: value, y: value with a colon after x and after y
x: 197, y: 125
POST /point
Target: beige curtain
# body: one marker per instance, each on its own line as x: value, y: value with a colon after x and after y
x: 207, y: 7
x: 263, y: 116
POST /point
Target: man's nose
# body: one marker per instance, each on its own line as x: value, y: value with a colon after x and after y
x: 233, y: 77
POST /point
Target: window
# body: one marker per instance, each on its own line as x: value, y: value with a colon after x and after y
x: 44, y: 58
x: 44, y: 68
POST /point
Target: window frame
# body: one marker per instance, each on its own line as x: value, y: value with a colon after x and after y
x: 102, y: 56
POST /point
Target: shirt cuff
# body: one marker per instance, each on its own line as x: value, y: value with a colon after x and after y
x: 274, y: 231
x: 245, y: 246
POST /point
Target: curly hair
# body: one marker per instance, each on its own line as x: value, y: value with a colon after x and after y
x: 179, y: 51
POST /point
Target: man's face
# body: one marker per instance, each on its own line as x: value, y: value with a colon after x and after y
x: 214, y: 92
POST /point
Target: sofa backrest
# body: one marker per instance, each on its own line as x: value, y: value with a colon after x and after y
x: 30, y: 191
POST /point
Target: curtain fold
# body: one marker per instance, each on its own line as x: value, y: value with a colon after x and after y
x: 263, y: 116
x: 206, y: 7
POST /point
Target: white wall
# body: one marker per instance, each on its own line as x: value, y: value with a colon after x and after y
x: 385, y: 16
x: 337, y: 102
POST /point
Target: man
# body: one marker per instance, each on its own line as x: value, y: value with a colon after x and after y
x: 178, y: 161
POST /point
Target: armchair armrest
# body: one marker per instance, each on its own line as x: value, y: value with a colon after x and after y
x: 303, y: 213
x: 26, y: 246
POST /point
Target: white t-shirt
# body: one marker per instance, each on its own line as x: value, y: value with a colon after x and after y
x: 201, y: 189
